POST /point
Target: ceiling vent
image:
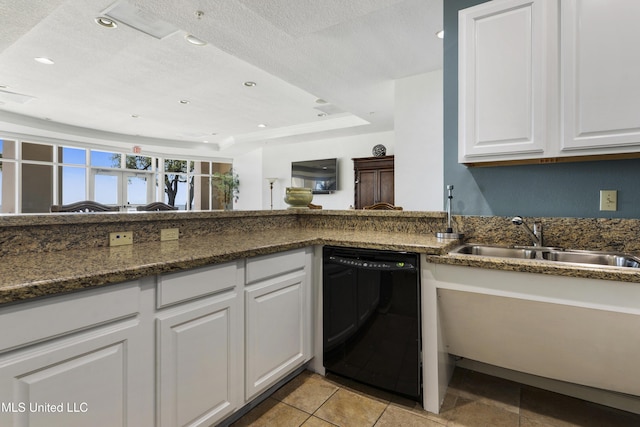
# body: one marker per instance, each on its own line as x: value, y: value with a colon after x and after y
x: 140, y: 20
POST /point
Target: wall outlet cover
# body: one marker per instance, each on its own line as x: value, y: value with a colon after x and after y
x: 169, y: 234
x: 121, y: 238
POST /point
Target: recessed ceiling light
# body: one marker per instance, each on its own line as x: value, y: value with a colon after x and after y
x: 106, y: 22
x: 322, y: 114
x: 43, y: 60
x: 440, y: 34
x: 262, y: 125
x: 320, y: 101
x: 194, y: 40
x: 135, y: 116
x: 250, y: 84
x: 184, y: 101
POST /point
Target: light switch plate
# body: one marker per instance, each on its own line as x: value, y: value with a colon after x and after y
x: 608, y: 200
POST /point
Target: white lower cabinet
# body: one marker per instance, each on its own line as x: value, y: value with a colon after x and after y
x: 77, y: 373
x: 181, y: 349
x: 198, y: 361
x: 278, y: 318
x: 199, y: 345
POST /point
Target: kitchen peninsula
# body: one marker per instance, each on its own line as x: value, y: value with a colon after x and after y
x: 241, y: 287
x: 57, y: 253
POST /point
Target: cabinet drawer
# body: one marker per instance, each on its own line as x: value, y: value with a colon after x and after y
x: 185, y: 285
x: 262, y: 267
x: 30, y: 322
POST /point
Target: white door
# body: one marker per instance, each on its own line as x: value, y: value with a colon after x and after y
x: 124, y: 189
x: 138, y: 189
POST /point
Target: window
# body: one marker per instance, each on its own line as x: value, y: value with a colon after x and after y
x: 8, y: 180
x: 37, y: 184
x: 37, y: 152
x: 177, y: 184
x: 142, y: 163
x: 202, y: 186
x: 35, y: 175
x: 105, y: 159
x: 72, y: 174
x: 73, y: 184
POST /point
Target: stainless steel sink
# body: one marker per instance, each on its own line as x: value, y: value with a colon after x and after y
x: 496, y: 251
x: 593, y: 258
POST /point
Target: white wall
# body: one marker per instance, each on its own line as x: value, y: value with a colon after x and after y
x: 276, y: 162
x: 249, y: 170
x: 419, y: 173
x: 417, y: 144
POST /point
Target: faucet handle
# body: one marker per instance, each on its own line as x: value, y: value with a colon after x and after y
x: 537, y: 231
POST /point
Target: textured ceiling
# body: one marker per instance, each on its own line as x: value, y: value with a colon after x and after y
x: 346, y: 52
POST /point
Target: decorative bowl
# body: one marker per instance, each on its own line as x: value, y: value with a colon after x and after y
x: 298, y: 197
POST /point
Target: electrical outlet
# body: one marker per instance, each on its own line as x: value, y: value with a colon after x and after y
x: 169, y: 234
x: 121, y: 238
x: 608, y: 200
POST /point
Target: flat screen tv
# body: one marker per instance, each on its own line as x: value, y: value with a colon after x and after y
x: 321, y: 176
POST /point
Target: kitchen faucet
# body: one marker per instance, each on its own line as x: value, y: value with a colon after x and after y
x: 536, y: 234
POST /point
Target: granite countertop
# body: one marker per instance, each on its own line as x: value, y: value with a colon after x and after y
x: 50, y: 273
x: 61, y: 268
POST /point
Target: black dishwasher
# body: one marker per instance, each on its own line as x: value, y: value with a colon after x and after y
x: 371, y: 318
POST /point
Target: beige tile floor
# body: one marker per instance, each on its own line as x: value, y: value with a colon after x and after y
x: 473, y: 399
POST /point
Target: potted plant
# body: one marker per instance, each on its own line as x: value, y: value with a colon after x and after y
x: 227, y: 184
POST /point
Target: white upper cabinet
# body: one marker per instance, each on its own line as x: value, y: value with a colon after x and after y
x: 504, y: 51
x: 600, y: 76
x: 544, y: 79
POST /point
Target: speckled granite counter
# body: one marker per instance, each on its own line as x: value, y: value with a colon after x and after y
x: 52, y: 254
x: 26, y: 275
x: 615, y: 234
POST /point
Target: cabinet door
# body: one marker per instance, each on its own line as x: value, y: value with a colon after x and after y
x: 198, y: 362
x: 385, y: 186
x: 503, y: 80
x: 367, y: 188
x: 82, y: 380
x: 278, y: 338
x: 375, y: 186
x: 600, y: 69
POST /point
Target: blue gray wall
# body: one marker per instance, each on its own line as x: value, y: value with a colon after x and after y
x: 561, y: 190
